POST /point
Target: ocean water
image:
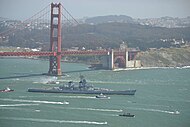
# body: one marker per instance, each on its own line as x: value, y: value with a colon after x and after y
x: 160, y: 93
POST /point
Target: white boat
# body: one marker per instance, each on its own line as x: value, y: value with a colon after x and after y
x: 101, y: 96
x: 7, y: 90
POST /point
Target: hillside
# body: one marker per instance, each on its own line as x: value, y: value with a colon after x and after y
x: 169, y: 57
x: 109, y: 18
x: 168, y: 22
x: 111, y: 35
x: 105, y: 35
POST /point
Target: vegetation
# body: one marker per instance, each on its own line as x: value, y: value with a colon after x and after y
x: 105, y: 35
x: 166, y: 57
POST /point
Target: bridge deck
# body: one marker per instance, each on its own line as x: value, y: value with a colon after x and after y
x: 64, y: 53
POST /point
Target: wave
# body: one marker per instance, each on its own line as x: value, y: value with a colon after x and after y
x: 85, y: 97
x: 166, y: 99
x: 186, y: 67
x: 34, y: 101
x: 153, y: 105
x: 20, y: 109
x: 183, y: 89
x: 95, y: 109
x: 16, y: 105
x: 92, y: 109
x: 54, y: 121
x: 45, y: 80
x: 37, y: 110
x: 174, y: 100
x: 140, y: 68
x: 89, y: 81
x: 155, y: 110
x: 78, y: 97
x: 95, y: 82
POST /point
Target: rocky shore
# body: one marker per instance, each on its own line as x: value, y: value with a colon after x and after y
x: 165, y: 57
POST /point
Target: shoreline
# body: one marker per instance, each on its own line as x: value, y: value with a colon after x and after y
x: 118, y: 69
x: 147, y: 68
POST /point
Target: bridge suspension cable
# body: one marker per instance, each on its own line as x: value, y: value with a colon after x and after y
x: 32, y: 19
x: 36, y: 18
x: 67, y: 12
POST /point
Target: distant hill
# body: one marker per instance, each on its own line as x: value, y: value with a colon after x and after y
x: 109, y: 19
x: 3, y: 19
x: 105, y: 35
x: 168, y: 22
x: 111, y: 35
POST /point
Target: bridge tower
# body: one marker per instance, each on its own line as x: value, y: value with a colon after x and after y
x: 55, y: 40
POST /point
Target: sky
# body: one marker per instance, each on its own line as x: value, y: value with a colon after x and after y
x: 23, y: 9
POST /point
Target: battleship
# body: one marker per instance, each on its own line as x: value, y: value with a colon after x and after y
x: 82, y: 88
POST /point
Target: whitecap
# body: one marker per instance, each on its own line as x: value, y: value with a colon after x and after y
x: 93, y: 109
x: 16, y: 105
x: 155, y: 110
x: 54, y: 121
x: 37, y: 110
x: 34, y: 101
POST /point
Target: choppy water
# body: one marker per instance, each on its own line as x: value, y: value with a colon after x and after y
x: 160, y: 93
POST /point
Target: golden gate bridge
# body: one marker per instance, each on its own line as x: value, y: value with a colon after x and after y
x: 55, y: 52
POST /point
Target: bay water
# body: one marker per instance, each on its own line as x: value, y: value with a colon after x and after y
x: 162, y: 98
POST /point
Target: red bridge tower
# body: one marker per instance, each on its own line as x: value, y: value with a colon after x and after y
x: 55, y: 40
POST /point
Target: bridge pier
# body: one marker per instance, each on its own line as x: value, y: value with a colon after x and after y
x: 116, y: 59
x: 107, y: 61
x: 111, y: 60
x: 126, y: 58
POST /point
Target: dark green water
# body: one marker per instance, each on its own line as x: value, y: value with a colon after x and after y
x: 160, y: 92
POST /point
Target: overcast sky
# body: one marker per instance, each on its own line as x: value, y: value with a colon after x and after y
x: 23, y: 9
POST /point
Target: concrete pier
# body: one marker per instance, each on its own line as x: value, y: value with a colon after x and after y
x: 120, y: 59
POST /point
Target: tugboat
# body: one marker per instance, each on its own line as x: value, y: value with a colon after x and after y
x: 82, y: 88
x: 101, y: 96
x: 7, y: 90
x: 127, y: 115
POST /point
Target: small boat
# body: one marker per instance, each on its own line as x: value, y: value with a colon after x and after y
x: 127, y: 115
x: 7, y: 90
x: 176, y: 112
x: 101, y: 96
x: 52, y: 82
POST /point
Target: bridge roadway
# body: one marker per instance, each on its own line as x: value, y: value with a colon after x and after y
x: 64, y: 53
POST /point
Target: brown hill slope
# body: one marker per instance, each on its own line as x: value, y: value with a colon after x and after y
x: 166, y: 57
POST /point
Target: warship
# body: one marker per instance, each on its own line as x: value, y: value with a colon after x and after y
x: 82, y: 88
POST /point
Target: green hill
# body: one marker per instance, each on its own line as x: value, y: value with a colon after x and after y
x: 106, y: 35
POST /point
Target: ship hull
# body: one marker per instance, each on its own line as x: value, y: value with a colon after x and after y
x: 125, y: 92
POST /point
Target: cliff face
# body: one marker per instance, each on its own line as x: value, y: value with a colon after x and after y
x: 166, y: 57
